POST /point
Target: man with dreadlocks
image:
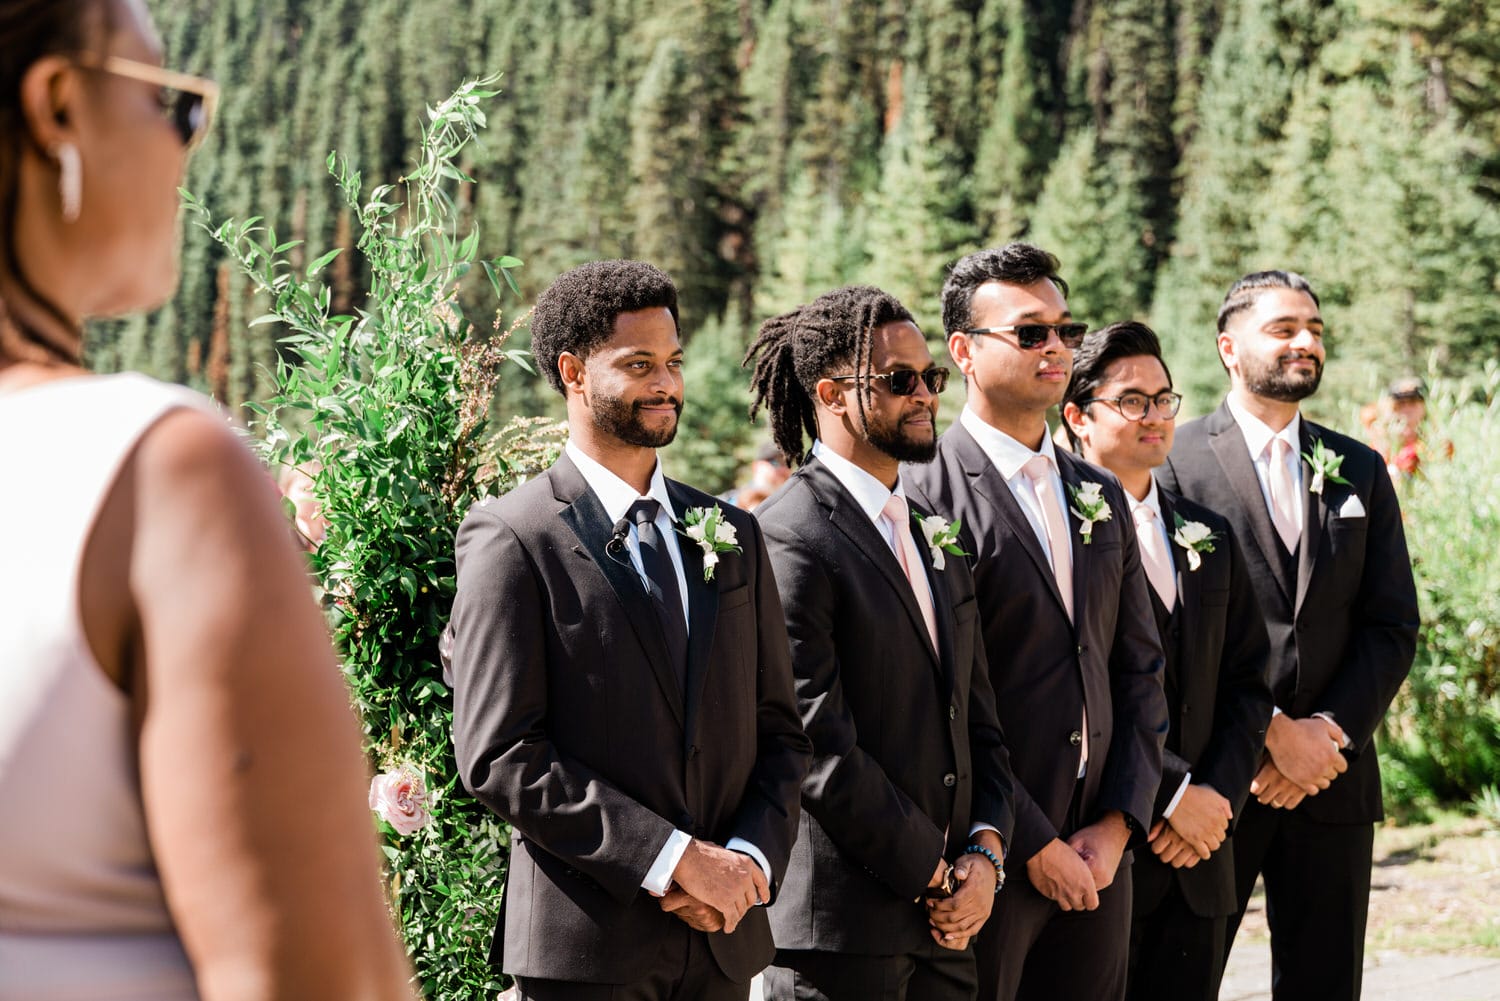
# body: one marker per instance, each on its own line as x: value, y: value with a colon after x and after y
x: 1074, y: 655
x: 909, y: 767
x: 621, y: 699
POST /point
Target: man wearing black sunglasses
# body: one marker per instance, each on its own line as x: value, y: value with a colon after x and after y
x: 899, y: 848
x: 1073, y: 653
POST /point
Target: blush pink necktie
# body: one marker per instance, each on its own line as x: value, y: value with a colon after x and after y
x: 1154, y: 555
x: 1039, y: 470
x: 1283, y: 494
x: 895, y: 512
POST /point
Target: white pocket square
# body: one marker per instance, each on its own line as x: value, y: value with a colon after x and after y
x: 1351, y: 508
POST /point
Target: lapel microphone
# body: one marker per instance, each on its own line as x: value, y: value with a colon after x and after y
x: 616, y: 544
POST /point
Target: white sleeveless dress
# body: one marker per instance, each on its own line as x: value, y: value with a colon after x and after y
x: 82, y: 914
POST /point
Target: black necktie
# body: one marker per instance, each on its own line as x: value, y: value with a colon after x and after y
x: 661, y: 581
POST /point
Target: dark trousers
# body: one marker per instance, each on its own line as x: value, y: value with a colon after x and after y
x: 1033, y: 950
x: 1317, y: 880
x: 930, y: 973
x: 685, y: 971
x: 1175, y: 955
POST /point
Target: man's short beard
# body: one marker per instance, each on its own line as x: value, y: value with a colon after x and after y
x: 1274, y: 384
x: 613, y: 416
x: 898, y: 446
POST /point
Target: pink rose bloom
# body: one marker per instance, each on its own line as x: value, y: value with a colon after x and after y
x: 400, y: 798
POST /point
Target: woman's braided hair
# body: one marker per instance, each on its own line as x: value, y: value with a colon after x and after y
x: 794, y: 350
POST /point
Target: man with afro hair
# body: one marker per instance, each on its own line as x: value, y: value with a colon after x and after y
x: 622, y: 690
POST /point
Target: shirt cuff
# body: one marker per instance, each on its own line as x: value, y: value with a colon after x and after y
x: 1275, y: 711
x: 1344, y: 740
x: 976, y: 828
x: 659, y: 876
x: 1177, y: 798
x: 741, y: 845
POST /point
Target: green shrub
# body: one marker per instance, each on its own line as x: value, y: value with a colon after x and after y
x: 1443, y: 731
x: 391, y: 410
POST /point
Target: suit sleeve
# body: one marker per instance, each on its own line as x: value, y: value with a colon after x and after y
x: 1174, y: 768
x: 1132, y: 772
x: 1243, y: 705
x: 1383, y: 640
x: 767, y: 816
x: 994, y: 785
x: 873, y: 823
x: 500, y: 734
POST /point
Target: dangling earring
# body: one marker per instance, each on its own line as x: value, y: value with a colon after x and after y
x: 70, y: 180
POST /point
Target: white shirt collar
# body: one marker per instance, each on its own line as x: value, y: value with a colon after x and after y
x: 614, y: 493
x: 1258, y: 434
x: 869, y: 493
x: 1004, y: 452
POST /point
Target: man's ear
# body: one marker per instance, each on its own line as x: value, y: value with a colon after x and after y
x: 571, y: 369
x: 1072, y: 415
x: 830, y: 395
x: 1226, y: 348
x: 961, y: 348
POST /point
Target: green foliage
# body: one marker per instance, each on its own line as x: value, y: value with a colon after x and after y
x: 715, y: 439
x: 1443, y: 731
x: 388, y: 409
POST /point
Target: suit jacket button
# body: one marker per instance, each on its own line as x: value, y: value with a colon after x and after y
x: 950, y: 780
x: 692, y: 752
x: 953, y: 712
x: 1075, y: 738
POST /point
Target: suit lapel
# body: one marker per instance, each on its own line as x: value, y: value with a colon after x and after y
x: 942, y: 606
x: 703, y: 613
x: 585, y: 515
x: 1229, y: 448
x: 1314, y: 512
x: 847, y: 516
x: 990, y: 484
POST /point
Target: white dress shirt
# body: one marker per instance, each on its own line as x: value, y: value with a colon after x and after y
x: 870, y: 494
x: 1009, y: 456
x: 1153, y: 504
x: 617, y: 496
x: 1258, y: 442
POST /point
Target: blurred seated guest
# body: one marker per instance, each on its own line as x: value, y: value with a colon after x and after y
x: 1394, y: 426
x: 767, y: 472
x: 180, y: 768
x: 296, y: 486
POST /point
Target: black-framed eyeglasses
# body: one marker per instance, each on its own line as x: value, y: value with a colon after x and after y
x: 903, y: 381
x: 187, y: 101
x: 1132, y: 406
x: 1030, y: 336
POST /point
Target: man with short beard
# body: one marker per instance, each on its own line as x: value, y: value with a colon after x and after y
x: 623, y: 700
x: 1328, y: 561
x: 909, y: 795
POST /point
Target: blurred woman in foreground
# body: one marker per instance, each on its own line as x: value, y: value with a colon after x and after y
x: 180, y: 773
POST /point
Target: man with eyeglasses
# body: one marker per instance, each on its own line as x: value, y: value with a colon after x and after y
x: 907, y: 806
x: 1073, y: 651
x: 1120, y: 413
x: 1327, y: 556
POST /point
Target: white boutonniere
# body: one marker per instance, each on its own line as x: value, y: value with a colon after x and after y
x: 1193, y: 536
x: 707, y: 527
x: 1325, y: 463
x: 1089, y: 506
x: 942, y: 537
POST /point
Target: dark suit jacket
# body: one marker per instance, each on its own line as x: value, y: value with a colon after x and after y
x: 907, y: 753
x: 1044, y: 668
x: 1343, y: 629
x: 570, y: 724
x: 1218, y: 698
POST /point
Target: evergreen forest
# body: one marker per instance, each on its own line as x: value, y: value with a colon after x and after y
x: 763, y: 151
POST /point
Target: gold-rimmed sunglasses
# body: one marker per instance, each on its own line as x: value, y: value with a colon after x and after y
x: 187, y: 101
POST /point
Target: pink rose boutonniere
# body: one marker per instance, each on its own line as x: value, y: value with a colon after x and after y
x: 400, y: 799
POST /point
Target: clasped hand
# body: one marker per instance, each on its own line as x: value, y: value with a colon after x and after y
x: 1302, y: 759
x: 1197, y: 828
x: 958, y: 918
x: 714, y: 887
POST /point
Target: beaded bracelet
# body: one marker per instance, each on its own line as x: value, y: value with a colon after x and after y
x: 999, y: 869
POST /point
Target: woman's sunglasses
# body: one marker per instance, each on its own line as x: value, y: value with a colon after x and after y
x: 903, y: 382
x: 187, y: 101
x: 1030, y: 336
